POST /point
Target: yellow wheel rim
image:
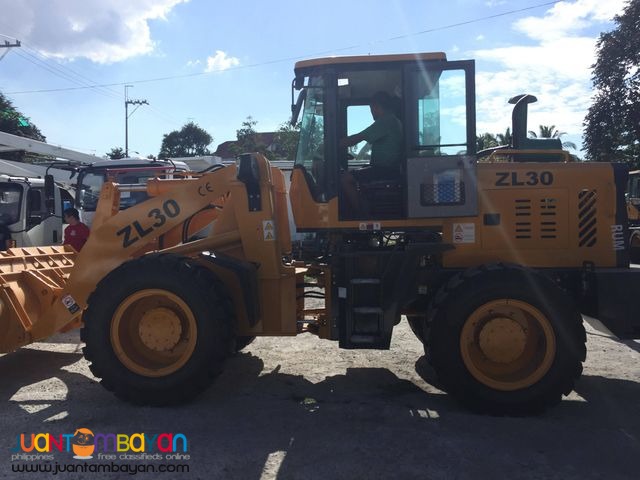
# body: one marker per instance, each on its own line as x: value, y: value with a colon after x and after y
x: 507, y: 344
x: 153, y: 332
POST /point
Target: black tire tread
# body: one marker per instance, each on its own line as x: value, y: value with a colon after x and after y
x: 575, y: 331
x: 202, y: 281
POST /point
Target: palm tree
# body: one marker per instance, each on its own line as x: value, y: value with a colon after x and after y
x: 550, y: 131
x: 505, y: 138
x: 486, y: 140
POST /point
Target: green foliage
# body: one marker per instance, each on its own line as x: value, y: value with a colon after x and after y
x: 286, y: 139
x: 189, y: 141
x: 486, y: 140
x: 249, y: 140
x: 505, y: 138
x: 116, y: 153
x: 612, y: 125
x: 15, y: 123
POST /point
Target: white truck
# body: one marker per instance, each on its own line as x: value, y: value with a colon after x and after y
x: 33, y: 197
x: 25, y: 220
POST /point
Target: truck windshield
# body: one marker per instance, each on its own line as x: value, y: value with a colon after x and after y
x: 10, y: 203
x: 90, y: 184
x: 310, y: 153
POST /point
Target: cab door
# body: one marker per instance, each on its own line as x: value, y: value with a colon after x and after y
x: 440, y: 137
x: 41, y: 228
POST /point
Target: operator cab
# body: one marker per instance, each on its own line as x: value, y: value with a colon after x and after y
x: 434, y: 100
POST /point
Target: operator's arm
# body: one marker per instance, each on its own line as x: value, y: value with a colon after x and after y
x: 373, y: 132
x: 352, y: 140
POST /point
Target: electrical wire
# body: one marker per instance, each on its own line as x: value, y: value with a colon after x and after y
x: 293, y: 58
x: 65, y: 72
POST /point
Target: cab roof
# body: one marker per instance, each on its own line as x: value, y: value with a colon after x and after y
x: 405, y: 57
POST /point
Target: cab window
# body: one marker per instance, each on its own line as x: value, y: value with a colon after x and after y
x: 439, y: 106
x: 311, y: 152
x: 358, y: 118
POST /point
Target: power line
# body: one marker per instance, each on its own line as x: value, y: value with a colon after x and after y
x: 68, y: 71
x: 25, y: 55
x: 33, y: 56
x: 299, y: 57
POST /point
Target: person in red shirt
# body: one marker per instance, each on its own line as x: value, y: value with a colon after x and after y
x: 77, y: 233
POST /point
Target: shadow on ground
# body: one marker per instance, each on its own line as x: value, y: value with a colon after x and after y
x: 365, y: 423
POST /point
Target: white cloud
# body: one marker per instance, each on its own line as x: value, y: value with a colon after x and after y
x: 103, y: 31
x: 565, y: 18
x: 479, y: 38
x: 554, y: 64
x: 220, y: 61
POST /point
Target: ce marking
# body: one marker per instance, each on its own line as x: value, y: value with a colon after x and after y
x: 202, y: 188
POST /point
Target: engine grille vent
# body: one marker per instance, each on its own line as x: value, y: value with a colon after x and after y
x: 536, y: 219
x: 523, y: 224
x: 548, y: 214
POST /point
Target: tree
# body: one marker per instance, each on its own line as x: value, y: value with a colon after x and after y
x: 287, y: 140
x: 505, y: 138
x: 486, y: 140
x: 15, y: 123
x: 612, y: 124
x: 249, y: 140
x: 189, y: 141
x: 116, y: 153
x: 550, y: 131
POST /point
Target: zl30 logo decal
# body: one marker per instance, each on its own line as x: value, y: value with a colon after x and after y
x: 519, y: 179
x: 134, y: 231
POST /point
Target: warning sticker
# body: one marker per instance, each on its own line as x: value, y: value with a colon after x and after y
x: 70, y: 304
x: 268, y: 230
x: 369, y: 226
x: 464, y: 233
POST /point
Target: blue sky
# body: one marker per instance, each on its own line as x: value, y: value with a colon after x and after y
x: 236, y: 59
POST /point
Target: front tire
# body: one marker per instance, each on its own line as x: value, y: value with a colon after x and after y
x: 506, y: 340
x: 158, y: 329
x: 416, y: 323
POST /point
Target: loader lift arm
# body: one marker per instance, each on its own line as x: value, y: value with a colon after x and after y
x: 58, y: 293
x: 117, y: 238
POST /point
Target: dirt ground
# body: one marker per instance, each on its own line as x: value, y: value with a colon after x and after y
x: 302, y: 408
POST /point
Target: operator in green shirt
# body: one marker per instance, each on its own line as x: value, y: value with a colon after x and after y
x: 385, y: 137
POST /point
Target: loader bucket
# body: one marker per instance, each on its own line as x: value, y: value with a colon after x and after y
x: 30, y: 279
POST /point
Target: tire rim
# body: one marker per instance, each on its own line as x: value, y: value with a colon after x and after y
x: 507, y: 344
x: 153, y: 333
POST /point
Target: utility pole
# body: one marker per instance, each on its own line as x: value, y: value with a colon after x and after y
x: 8, y: 45
x: 127, y: 102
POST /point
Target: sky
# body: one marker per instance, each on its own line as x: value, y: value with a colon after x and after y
x: 215, y: 63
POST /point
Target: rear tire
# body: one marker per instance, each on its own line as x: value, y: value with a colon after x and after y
x: 506, y: 340
x: 158, y: 329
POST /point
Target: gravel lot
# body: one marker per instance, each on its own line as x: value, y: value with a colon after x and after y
x: 302, y: 408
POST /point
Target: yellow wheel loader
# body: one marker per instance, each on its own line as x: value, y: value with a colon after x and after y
x: 492, y: 256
